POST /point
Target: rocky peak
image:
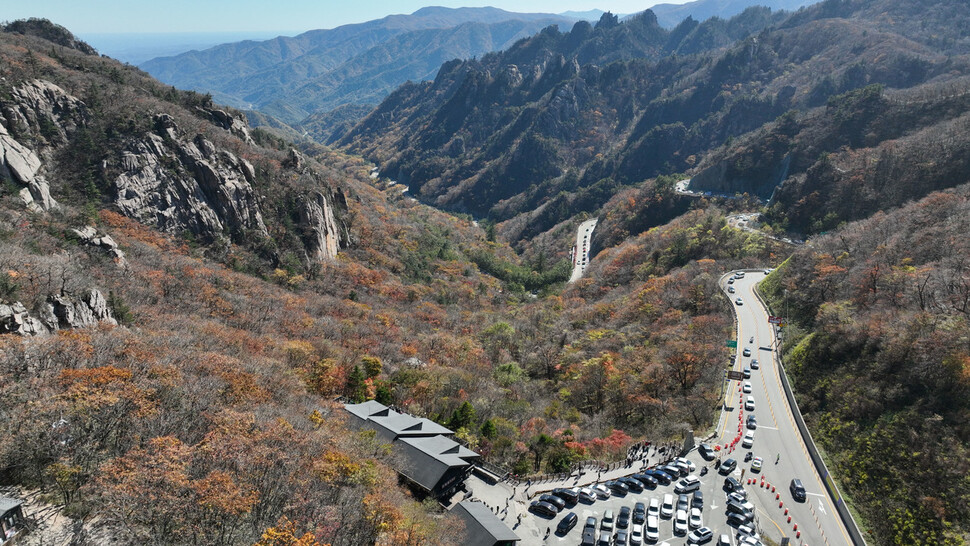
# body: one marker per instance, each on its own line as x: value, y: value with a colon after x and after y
x: 20, y: 164
x: 44, y: 109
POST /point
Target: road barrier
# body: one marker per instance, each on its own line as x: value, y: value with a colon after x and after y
x: 855, y: 535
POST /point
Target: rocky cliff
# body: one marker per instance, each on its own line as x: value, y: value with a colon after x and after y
x: 177, y: 183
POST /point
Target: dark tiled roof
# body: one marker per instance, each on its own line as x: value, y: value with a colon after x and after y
x: 482, y: 527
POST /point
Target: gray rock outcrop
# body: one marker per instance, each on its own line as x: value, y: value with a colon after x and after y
x: 14, y: 319
x: 235, y: 125
x: 323, y: 234
x: 177, y: 184
x: 89, y: 236
x: 59, y: 312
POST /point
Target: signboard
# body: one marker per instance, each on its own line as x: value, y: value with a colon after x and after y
x: 731, y: 343
x: 737, y: 376
x: 774, y: 320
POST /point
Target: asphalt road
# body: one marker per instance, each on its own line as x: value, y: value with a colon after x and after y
x: 777, y: 436
x: 584, y: 234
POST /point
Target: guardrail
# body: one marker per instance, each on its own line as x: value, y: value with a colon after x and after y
x: 833, y: 491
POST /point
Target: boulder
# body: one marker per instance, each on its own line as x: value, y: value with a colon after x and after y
x: 63, y: 311
x: 89, y: 236
x: 14, y: 319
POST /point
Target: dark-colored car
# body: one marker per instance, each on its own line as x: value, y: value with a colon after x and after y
x: 735, y: 519
x: 571, y: 496
x: 622, y: 535
x: 707, y: 453
x: 567, y: 523
x: 737, y: 508
x: 604, y: 539
x: 589, y: 537
x: 702, y: 535
x: 639, y: 512
x: 623, y: 520
x: 754, y: 364
x: 633, y: 484
x: 662, y: 477
x: 731, y: 484
x: 554, y: 500
x: 543, y: 508
x: 697, y: 501
x: 746, y: 372
x: 648, y: 481
x: 683, y: 503
x: 797, y: 490
x: 673, y: 471
x: 618, y: 487
x: 752, y: 422
x: 728, y: 466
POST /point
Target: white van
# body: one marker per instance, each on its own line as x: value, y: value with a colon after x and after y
x: 654, y: 509
x: 667, y: 508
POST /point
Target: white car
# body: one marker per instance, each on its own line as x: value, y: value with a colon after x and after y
x: 730, y: 290
x: 746, y: 388
x: 587, y: 495
x: 749, y: 403
x: 695, y: 518
x: 686, y: 461
x: 667, y: 508
x: 739, y: 301
x: 748, y: 440
x: 653, y: 529
x: 680, y: 523
x: 636, y: 535
x: 601, y: 491
x: 653, y: 508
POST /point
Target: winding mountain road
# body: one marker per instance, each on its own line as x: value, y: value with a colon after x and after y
x: 580, y: 254
x: 777, y: 438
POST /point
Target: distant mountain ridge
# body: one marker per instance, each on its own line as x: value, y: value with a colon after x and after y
x: 671, y: 15
x: 319, y: 70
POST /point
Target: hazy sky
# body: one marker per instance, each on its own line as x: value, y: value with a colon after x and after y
x: 106, y: 16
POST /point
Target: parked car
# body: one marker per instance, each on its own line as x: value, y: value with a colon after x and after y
x: 570, y: 495
x: 639, y: 512
x: 653, y: 529
x: 731, y: 484
x: 797, y: 490
x: 567, y: 523
x: 543, y: 508
x: 735, y: 519
x: 589, y: 537
x: 694, y: 520
x: 587, y: 495
x: 554, y: 500
x: 683, y: 502
x: 621, y: 538
x: 688, y: 484
x: 748, y: 440
x: 680, y: 523
x: 752, y: 422
x: 700, y: 536
x: 749, y: 403
x: 632, y: 484
x: 667, y: 507
x: 672, y: 470
x: 654, y: 508
x: 685, y: 461
x: 697, y: 501
x: 662, y: 477
x: 618, y: 487
x: 723, y: 540
x: 636, y: 535
x: 707, y: 453
x: 607, y: 523
x: 601, y: 491
x: 623, y: 520
x: 647, y: 480
x: 605, y: 538
x: 728, y: 466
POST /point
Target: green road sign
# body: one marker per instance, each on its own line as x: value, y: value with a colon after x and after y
x: 731, y: 343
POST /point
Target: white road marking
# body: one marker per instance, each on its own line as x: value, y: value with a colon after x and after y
x: 821, y: 507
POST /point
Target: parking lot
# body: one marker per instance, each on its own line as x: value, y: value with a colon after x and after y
x: 714, y: 513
